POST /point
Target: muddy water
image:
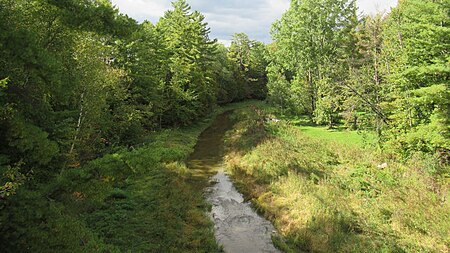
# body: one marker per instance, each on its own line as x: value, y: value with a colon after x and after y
x: 238, y: 228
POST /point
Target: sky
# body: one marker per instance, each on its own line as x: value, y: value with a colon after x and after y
x: 226, y: 17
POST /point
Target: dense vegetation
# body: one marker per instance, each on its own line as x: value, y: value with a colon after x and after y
x: 76, y: 85
x: 98, y: 113
x: 334, y: 195
x: 387, y: 73
x: 132, y: 200
x: 81, y: 87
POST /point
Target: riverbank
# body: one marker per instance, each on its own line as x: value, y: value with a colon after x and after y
x: 327, y: 196
x: 139, y: 199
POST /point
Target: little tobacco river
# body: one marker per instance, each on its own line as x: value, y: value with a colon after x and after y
x: 238, y: 228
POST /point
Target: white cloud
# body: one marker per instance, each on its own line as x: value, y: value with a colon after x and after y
x: 225, y: 17
x: 143, y: 9
x: 372, y: 7
x: 225, y: 42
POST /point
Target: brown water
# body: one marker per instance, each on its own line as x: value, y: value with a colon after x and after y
x: 238, y: 228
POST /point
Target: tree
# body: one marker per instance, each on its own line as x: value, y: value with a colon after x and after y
x: 144, y: 57
x: 314, y: 42
x: 257, y: 75
x: 249, y: 57
x: 98, y: 95
x: 189, y: 88
x: 416, y: 42
x: 225, y: 69
x: 62, y: 82
x: 364, y: 91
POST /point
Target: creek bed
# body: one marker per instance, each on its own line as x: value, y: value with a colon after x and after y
x: 237, y: 227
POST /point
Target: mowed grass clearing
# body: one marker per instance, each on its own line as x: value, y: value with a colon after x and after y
x: 338, y: 134
x: 343, y: 136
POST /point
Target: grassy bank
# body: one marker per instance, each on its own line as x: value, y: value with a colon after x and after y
x: 328, y: 196
x: 134, y: 200
x: 138, y: 199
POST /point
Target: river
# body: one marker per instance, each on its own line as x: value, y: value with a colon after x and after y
x: 237, y: 227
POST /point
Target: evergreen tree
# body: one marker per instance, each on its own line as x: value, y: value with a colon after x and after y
x: 249, y: 57
x: 189, y: 89
x: 416, y: 43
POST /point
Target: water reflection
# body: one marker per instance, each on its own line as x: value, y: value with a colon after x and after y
x: 237, y: 226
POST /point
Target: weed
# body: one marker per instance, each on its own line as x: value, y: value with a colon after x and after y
x: 325, y: 195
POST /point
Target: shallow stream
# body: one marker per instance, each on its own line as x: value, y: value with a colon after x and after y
x: 238, y: 228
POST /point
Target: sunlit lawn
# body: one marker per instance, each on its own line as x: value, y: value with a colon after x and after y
x: 338, y: 134
x: 352, y: 138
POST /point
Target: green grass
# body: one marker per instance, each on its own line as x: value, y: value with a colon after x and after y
x: 352, y: 138
x: 133, y: 200
x: 337, y: 134
x: 140, y: 199
x: 328, y: 196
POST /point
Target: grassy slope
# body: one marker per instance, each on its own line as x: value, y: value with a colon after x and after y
x: 134, y: 200
x: 330, y: 196
x: 129, y: 201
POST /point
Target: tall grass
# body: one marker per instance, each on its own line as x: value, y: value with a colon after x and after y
x: 333, y: 197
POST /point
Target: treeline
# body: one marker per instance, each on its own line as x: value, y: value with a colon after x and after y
x: 387, y: 73
x: 79, y: 79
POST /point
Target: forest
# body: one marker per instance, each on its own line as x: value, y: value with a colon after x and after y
x: 99, y: 114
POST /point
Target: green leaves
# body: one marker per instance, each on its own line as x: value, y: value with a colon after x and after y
x: 250, y: 63
x: 31, y: 142
x: 11, y: 178
x: 383, y: 73
x: 314, y: 42
x: 416, y: 43
x: 188, y: 88
x: 3, y: 83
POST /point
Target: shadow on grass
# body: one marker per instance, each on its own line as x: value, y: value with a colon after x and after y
x: 250, y: 130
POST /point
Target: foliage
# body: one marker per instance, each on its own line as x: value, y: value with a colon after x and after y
x: 83, y: 89
x: 11, y: 179
x: 249, y: 57
x: 74, y: 87
x: 80, y: 84
x: 383, y: 73
x: 115, y: 203
x: 415, y: 46
x: 188, y: 88
x: 314, y: 47
x: 334, y: 197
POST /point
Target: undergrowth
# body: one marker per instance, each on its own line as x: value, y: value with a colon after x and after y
x: 137, y: 199
x: 129, y: 201
x: 332, y: 197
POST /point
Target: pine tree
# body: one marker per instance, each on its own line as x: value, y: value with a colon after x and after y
x: 416, y: 43
x: 189, y: 88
